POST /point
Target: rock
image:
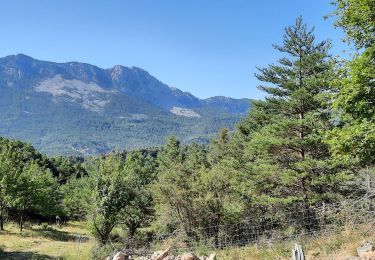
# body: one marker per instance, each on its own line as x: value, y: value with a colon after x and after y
x: 366, y: 249
x: 297, y: 252
x: 161, y: 254
x: 211, y: 257
x: 368, y: 255
x: 156, y: 254
x: 119, y: 256
x: 189, y: 256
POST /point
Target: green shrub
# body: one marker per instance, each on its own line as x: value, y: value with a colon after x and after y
x: 103, y: 251
x: 44, y: 225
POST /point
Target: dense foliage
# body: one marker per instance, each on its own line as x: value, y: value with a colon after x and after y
x: 354, y: 138
x: 28, y: 186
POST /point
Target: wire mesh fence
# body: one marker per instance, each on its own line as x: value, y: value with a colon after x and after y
x: 272, y: 226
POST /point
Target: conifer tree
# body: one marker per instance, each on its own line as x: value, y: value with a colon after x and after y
x: 197, y: 189
x: 174, y: 187
x: 289, y: 161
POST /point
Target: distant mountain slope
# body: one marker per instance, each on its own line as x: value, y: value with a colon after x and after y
x: 78, y: 108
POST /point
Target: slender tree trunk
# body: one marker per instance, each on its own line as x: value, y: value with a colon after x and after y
x: 301, y: 137
x: 132, y: 232
x: 104, y: 238
x: 21, y: 217
x: 216, y: 224
x: 106, y: 232
x: 2, y: 215
x: 1, y: 220
x: 21, y: 221
x: 132, y: 227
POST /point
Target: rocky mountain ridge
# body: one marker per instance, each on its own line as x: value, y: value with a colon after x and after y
x: 40, y: 101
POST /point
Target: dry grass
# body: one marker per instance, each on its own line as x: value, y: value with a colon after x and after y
x: 51, y: 243
x: 334, y: 245
x: 340, y: 245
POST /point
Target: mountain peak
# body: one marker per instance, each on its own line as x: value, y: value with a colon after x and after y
x: 19, y: 58
x: 19, y: 70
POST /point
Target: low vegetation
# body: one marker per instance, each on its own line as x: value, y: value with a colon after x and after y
x: 335, y: 245
x: 52, y: 242
x: 71, y: 241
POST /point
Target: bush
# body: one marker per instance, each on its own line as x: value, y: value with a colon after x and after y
x: 103, y: 251
x: 44, y: 225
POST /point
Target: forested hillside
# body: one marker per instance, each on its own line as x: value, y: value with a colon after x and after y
x: 80, y: 109
x: 285, y: 170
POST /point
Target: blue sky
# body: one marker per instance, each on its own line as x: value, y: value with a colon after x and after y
x: 206, y: 47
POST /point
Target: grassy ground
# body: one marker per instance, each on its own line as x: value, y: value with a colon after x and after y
x: 53, y: 243
x: 72, y: 241
x: 332, y: 245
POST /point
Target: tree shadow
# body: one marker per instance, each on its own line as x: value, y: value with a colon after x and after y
x: 24, y: 256
x: 58, y: 235
x: 50, y: 233
x: 78, y: 225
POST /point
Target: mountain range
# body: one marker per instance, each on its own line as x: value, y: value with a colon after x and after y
x: 80, y: 109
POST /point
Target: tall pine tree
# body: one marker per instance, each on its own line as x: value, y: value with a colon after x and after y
x: 289, y: 163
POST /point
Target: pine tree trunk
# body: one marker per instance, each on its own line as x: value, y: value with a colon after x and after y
x: 301, y: 113
x: 301, y: 137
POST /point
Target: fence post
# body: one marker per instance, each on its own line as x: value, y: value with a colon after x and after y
x: 297, y: 252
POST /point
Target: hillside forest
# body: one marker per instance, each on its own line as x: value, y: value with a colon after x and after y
x: 310, y: 142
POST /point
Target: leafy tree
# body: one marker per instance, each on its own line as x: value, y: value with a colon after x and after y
x: 34, y: 190
x: 142, y: 169
x: 65, y: 167
x: 121, y: 193
x: 111, y: 195
x: 14, y: 156
x: 77, y: 196
x: 354, y: 138
x: 5, y: 168
x: 357, y: 19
